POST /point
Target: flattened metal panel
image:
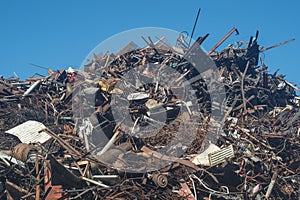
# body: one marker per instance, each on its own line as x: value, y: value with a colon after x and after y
x: 28, y: 132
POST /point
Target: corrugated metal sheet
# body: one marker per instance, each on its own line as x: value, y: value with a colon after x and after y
x: 203, y: 159
x: 28, y: 132
x: 221, y: 156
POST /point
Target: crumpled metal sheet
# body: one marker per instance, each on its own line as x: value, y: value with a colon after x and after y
x: 30, y: 132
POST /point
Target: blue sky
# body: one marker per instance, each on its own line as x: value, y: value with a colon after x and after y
x: 59, y: 34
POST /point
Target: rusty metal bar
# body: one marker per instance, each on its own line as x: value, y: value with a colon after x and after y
x: 223, y: 39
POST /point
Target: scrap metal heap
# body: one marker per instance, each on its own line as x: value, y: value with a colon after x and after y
x: 101, y: 133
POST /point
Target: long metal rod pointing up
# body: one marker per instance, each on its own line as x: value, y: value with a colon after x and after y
x: 195, y: 24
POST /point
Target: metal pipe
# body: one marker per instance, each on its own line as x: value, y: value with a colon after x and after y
x: 110, y: 143
x: 31, y: 88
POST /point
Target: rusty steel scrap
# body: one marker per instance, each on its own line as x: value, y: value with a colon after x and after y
x: 118, y: 129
